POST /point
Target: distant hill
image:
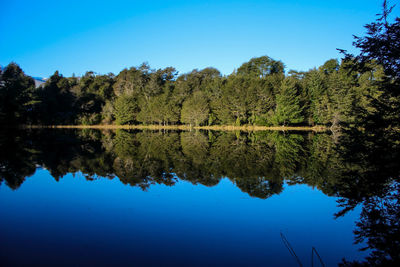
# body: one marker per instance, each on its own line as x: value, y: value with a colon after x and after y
x: 39, y: 81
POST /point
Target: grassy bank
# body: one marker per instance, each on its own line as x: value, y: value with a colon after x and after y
x: 187, y: 127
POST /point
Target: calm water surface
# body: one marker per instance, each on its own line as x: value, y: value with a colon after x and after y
x: 80, y: 198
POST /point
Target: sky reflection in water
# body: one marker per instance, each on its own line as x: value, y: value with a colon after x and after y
x: 75, y: 221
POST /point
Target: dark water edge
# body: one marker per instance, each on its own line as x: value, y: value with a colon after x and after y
x: 86, y: 197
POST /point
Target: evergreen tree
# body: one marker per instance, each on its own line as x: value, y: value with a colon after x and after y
x: 381, y: 46
x: 288, y: 109
x: 57, y: 101
x: 316, y: 89
x: 16, y: 90
x: 125, y: 110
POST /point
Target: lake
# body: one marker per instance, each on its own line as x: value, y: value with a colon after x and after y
x: 189, y: 198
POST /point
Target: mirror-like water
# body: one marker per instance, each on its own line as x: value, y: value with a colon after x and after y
x: 184, y: 198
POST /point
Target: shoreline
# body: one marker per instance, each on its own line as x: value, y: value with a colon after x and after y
x: 183, y: 127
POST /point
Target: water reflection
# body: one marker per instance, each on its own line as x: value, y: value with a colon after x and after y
x: 370, y: 177
x: 258, y: 163
x: 360, y: 169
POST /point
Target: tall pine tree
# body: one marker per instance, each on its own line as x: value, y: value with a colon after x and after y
x: 288, y: 109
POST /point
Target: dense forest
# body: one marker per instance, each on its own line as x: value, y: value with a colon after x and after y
x: 257, y: 93
x: 355, y: 91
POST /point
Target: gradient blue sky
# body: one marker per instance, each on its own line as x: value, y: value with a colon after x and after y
x: 107, y: 36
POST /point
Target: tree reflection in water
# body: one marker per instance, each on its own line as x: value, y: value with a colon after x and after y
x: 361, y: 168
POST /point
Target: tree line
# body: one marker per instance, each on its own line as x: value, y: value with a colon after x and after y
x: 257, y: 93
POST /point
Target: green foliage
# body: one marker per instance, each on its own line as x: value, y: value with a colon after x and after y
x: 316, y: 89
x: 195, y: 109
x: 132, y: 81
x: 231, y: 106
x: 57, y: 100
x: 90, y: 119
x: 16, y: 96
x: 288, y: 109
x: 125, y: 110
x: 261, y: 67
x: 330, y: 66
x: 379, y: 56
x: 108, y: 112
x: 258, y: 93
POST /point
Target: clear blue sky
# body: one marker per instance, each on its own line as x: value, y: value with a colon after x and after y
x: 107, y: 36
